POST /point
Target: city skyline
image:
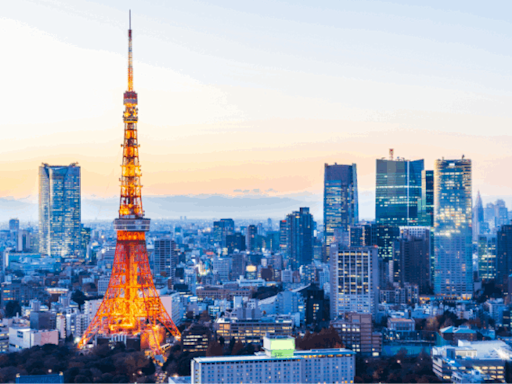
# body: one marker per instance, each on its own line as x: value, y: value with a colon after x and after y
x: 201, y: 119
x: 230, y: 264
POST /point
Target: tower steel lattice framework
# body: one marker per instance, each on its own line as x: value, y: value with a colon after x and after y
x: 131, y: 305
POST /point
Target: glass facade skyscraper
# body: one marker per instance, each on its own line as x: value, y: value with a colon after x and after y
x: 300, y: 228
x: 59, y: 211
x: 453, y: 230
x: 398, y: 192
x: 487, y: 249
x: 427, y: 198
x: 341, y: 208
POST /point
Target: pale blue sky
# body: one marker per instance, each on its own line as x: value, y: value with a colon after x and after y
x: 315, y: 81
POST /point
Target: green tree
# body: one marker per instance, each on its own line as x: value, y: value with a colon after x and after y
x: 12, y: 308
x: 78, y: 297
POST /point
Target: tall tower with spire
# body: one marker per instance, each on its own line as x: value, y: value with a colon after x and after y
x: 131, y: 307
x: 478, y: 217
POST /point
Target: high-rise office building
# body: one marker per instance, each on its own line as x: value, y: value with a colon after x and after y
x: 427, y: 198
x: 165, y: 257
x: 235, y: 241
x: 59, y: 211
x: 14, y: 225
x: 413, y: 248
x: 398, y: 193
x: 222, y: 229
x: 299, y: 238
x: 453, y: 230
x: 504, y: 255
x: 496, y: 214
x: 283, y: 236
x: 361, y: 235
x: 354, y: 279
x: 341, y: 208
x: 250, y: 237
x: 487, y: 249
x: 384, y: 236
x: 478, y: 217
x: 501, y: 213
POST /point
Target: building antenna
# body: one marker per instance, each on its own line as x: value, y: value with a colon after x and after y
x: 391, y: 151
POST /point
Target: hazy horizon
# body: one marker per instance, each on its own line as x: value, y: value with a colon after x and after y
x: 241, y: 97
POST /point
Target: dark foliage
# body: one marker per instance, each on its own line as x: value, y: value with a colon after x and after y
x: 489, y: 290
x: 326, y: 338
x: 266, y: 292
x: 12, y: 308
x: 78, y: 297
x: 396, y: 369
x: 101, y: 365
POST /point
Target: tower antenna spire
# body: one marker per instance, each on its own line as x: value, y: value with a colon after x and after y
x: 130, y: 59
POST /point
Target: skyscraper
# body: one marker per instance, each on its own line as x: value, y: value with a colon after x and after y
x: 478, y: 217
x: 453, y: 230
x: 354, y: 279
x: 427, y: 198
x: 222, y: 229
x: 59, y: 210
x: 504, y: 255
x: 341, y: 208
x: 165, y: 257
x: 487, y: 256
x: 14, y: 225
x: 414, y: 257
x: 299, y: 238
x: 398, y: 192
x: 250, y: 237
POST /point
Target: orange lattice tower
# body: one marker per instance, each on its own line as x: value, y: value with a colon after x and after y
x: 131, y: 306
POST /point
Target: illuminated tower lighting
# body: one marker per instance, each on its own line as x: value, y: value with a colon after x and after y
x: 131, y: 306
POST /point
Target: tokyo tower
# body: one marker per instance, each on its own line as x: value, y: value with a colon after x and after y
x: 131, y: 307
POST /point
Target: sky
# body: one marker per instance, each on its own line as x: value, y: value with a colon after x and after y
x: 254, y: 98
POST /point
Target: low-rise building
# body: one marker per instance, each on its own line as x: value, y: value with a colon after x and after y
x: 356, y: 332
x: 196, y: 338
x: 487, y: 357
x: 4, y: 339
x: 252, y: 331
x: 24, y: 337
x: 279, y: 363
x: 401, y: 324
x: 452, y: 335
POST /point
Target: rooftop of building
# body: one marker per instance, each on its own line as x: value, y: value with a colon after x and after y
x: 457, y: 330
x: 262, y: 356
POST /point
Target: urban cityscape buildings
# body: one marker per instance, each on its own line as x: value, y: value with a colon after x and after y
x: 59, y: 211
x: 279, y: 363
x: 453, y: 230
x: 341, y: 206
x: 354, y: 279
x: 398, y: 192
x: 257, y: 299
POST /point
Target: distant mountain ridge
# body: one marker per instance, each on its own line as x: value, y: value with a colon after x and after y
x: 172, y: 207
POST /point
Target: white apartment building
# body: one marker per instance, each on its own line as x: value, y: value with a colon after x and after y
x: 103, y: 284
x: 24, y: 337
x: 354, y: 279
x: 173, y: 306
x: 280, y: 363
x: 4, y: 339
x: 61, y: 326
x: 90, y: 309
